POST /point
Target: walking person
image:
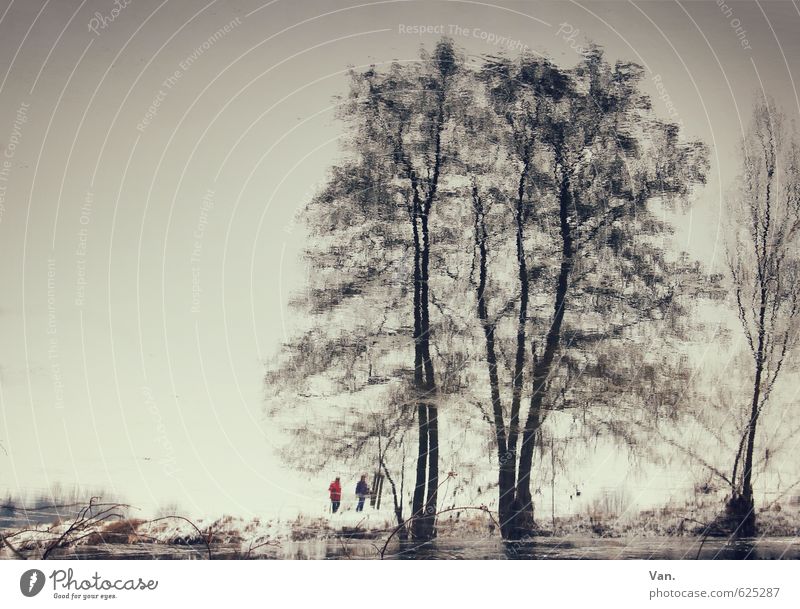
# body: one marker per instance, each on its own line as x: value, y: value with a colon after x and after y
x: 335, y: 489
x: 362, y: 490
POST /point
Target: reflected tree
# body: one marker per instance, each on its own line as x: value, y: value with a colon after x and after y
x: 763, y: 265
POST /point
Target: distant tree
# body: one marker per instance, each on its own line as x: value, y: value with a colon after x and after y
x: 765, y: 270
x: 705, y: 432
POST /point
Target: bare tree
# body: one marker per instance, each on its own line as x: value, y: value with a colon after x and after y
x: 502, y: 134
x: 604, y: 162
x: 405, y: 113
x: 528, y: 186
x: 763, y: 264
x: 373, y: 233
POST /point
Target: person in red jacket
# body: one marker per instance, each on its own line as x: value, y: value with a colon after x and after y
x: 335, y: 490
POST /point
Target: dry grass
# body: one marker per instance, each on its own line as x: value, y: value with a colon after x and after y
x: 119, y: 532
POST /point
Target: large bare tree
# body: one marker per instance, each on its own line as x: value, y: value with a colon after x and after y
x: 530, y: 187
x: 591, y: 160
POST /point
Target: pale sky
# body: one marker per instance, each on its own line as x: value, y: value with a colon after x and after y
x: 115, y: 371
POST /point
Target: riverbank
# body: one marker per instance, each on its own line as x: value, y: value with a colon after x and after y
x: 252, y: 538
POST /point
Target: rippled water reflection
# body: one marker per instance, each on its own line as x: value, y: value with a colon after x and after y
x: 669, y: 548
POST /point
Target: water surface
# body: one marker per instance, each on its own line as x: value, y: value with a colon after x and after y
x: 572, y: 548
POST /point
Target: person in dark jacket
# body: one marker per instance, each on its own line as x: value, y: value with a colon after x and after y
x: 335, y: 489
x: 362, y: 490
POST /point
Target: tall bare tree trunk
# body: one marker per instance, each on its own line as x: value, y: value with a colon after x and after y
x: 424, y: 193
x: 418, y: 500
x: 505, y: 459
x: 428, y: 522
x: 519, y: 360
x: 396, y: 501
x: 771, y: 233
x: 433, y: 473
x: 424, y: 375
x: 543, y: 366
x: 743, y: 507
